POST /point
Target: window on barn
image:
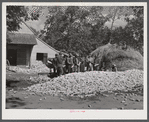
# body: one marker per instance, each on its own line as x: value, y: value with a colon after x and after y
x: 39, y: 56
x: 42, y: 57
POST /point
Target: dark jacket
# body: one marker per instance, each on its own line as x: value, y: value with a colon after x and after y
x: 70, y: 60
x: 75, y: 61
x: 59, y: 60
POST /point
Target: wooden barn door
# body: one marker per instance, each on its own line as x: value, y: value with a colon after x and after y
x: 12, y: 56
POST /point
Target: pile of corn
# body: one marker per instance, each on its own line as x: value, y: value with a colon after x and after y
x: 35, y: 68
x: 89, y: 83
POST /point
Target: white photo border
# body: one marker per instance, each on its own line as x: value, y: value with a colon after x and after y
x: 61, y: 114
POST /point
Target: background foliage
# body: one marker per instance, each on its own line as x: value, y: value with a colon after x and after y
x: 83, y: 29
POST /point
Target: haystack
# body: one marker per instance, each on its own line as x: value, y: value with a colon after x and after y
x: 125, y: 59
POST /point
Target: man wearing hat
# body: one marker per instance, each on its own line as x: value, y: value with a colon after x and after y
x: 76, y: 63
x: 59, y: 60
x: 70, y: 63
x: 55, y: 64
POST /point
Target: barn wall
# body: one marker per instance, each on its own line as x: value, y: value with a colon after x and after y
x: 28, y: 55
x: 23, y: 54
x: 41, y: 48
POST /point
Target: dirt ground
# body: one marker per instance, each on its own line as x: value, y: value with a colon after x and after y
x: 18, y: 98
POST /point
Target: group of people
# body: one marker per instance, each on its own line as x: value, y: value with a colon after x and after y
x: 61, y: 65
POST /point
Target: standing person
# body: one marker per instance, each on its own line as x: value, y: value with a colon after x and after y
x: 90, y: 63
x: 49, y: 64
x: 82, y: 65
x: 52, y: 68
x: 55, y: 64
x: 76, y: 63
x: 79, y: 62
x: 59, y: 64
x: 98, y: 63
x: 70, y: 63
x: 64, y: 65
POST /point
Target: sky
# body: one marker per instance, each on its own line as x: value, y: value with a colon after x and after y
x: 39, y: 24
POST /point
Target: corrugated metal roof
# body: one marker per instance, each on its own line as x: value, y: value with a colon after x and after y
x: 21, y: 38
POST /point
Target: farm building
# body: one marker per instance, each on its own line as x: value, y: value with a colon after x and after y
x: 24, y: 48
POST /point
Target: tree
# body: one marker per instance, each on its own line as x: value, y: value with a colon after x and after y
x: 16, y: 14
x: 71, y: 29
x: 114, y: 13
x: 83, y: 29
x: 136, y: 27
x: 14, y: 17
x: 132, y: 33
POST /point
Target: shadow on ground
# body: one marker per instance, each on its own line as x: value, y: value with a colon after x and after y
x: 14, y: 102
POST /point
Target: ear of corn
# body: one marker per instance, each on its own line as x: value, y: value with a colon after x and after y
x: 89, y: 83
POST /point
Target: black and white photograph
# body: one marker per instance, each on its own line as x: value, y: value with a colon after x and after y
x: 74, y: 60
